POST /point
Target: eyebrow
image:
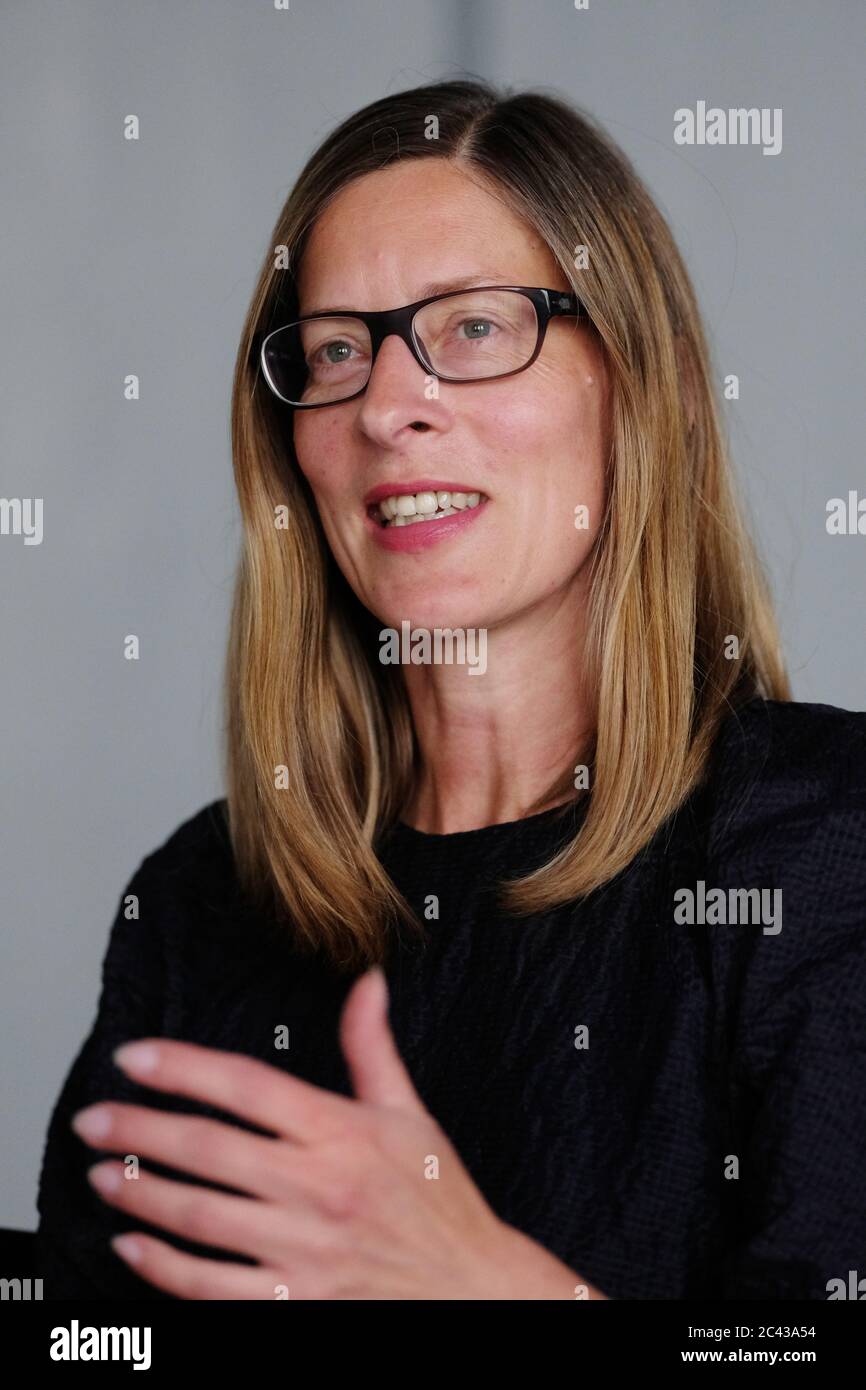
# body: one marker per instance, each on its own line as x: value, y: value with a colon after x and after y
x: 459, y: 282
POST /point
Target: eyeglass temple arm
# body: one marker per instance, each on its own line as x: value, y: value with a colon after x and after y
x: 562, y: 303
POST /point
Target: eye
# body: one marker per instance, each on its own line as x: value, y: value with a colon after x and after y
x: 335, y: 352
x: 335, y: 346
x: 475, y: 323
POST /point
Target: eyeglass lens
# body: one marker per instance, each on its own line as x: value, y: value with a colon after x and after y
x: 472, y: 336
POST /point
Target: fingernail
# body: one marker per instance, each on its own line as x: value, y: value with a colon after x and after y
x: 128, y: 1247
x: 136, y: 1057
x: 92, y: 1123
x: 104, y: 1179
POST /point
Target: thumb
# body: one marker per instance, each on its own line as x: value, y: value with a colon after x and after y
x: 376, y: 1067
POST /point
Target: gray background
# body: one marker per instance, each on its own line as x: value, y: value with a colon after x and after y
x: 140, y: 257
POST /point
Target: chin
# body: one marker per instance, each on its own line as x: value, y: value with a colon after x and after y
x: 421, y: 613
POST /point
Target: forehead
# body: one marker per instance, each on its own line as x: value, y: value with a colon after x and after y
x: 387, y: 234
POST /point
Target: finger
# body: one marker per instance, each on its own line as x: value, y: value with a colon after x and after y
x: 378, y: 1072
x: 261, y: 1167
x: 241, y: 1225
x: 189, y: 1276
x: 243, y: 1086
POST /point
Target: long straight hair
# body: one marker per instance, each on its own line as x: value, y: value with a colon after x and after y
x: 321, y: 755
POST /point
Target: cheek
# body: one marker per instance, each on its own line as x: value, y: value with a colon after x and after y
x: 318, y: 448
x: 548, y: 447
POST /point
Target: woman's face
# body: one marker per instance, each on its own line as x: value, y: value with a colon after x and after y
x: 532, y: 444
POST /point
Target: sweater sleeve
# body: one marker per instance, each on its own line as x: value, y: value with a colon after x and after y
x: 794, y: 1004
x: 73, y: 1256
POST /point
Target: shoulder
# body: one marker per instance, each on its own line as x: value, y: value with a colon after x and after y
x: 196, y: 853
x: 203, y: 835
x: 780, y: 766
x: 785, y: 848
x: 183, y: 900
x: 187, y: 880
x: 784, y: 820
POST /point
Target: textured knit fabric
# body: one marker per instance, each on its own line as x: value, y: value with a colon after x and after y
x: 675, y: 1110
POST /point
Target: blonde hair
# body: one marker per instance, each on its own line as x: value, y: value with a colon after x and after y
x: 674, y: 573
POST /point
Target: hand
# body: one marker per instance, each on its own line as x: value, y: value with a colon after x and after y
x: 350, y: 1199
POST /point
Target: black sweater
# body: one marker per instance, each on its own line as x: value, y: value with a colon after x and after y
x: 676, y: 1110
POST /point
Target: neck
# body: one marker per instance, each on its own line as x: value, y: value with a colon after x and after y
x: 491, y: 744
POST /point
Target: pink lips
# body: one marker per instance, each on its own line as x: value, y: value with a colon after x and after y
x: 422, y: 534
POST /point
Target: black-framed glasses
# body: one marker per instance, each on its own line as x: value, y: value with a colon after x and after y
x: 460, y: 336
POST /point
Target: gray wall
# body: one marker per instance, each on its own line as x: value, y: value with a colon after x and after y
x: 140, y: 257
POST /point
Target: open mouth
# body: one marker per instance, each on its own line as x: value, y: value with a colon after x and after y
x: 410, y: 508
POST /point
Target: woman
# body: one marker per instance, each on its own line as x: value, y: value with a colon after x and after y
x: 615, y: 877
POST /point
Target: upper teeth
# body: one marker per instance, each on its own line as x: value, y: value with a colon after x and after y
x: 405, y: 507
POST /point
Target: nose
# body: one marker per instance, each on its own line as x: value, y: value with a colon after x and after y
x: 399, y: 393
